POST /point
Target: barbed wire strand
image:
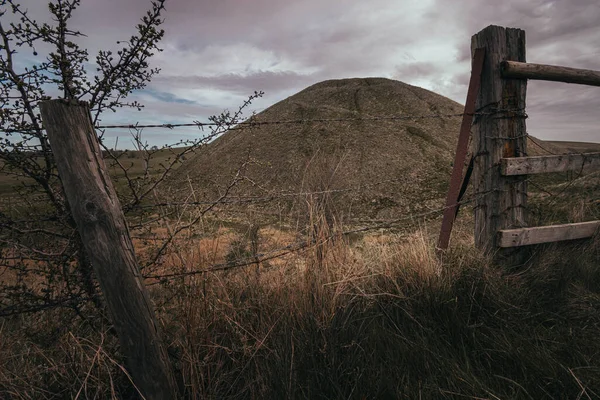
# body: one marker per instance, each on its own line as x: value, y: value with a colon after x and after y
x: 252, y: 121
x: 238, y: 200
x: 283, y: 122
x: 297, y: 246
x: 294, y: 247
x: 273, y: 196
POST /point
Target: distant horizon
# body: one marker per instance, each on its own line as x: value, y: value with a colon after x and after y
x: 215, y: 54
x: 258, y: 111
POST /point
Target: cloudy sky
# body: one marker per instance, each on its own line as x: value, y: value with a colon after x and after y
x: 217, y: 52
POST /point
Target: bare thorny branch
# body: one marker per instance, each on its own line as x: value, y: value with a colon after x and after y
x: 44, y: 245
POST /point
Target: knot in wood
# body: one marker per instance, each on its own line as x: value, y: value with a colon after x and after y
x: 90, y: 211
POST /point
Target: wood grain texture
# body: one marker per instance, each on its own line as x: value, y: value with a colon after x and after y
x: 105, y: 235
x: 546, y: 234
x: 545, y: 164
x: 521, y: 70
x: 499, y: 132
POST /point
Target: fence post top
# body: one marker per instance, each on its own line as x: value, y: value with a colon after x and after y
x: 69, y: 102
x: 497, y: 27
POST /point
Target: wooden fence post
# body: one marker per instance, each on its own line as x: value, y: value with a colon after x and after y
x: 104, y: 233
x: 499, y: 132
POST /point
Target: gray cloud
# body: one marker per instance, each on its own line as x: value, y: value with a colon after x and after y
x: 268, y: 81
x: 416, y: 70
x: 557, y: 32
x: 218, y: 52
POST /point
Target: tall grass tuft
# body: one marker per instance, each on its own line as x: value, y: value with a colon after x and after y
x: 383, y: 317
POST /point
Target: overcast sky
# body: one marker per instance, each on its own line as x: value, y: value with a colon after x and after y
x: 217, y: 52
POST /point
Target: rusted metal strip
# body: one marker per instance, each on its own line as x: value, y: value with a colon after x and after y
x: 461, y: 150
x: 465, y: 184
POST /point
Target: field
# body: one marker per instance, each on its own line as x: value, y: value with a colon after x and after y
x: 132, y: 161
x: 575, y: 147
x: 373, y: 314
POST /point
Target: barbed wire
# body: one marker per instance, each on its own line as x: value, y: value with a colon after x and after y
x: 553, y: 197
x: 283, y: 122
x: 253, y: 122
x: 540, y: 146
x: 273, y: 196
x: 300, y: 245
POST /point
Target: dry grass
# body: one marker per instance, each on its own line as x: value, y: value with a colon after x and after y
x: 382, y: 317
x: 374, y: 316
x: 379, y: 315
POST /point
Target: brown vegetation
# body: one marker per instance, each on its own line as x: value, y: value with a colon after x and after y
x: 374, y: 314
x: 381, y: 148
x: 379, y: 317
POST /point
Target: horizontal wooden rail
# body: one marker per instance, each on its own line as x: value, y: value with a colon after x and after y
x: 545, y: 164
x: 521, y: 70
x: 547, y: 234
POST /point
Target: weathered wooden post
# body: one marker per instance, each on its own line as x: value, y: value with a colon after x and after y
x: 499, y: 132
x: 104, y: 233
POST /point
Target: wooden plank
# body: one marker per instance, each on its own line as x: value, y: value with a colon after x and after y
x: 499, y: 132
x: 545, y: 164
x: 105, y: 236
x: 461, y: 151
x: 547, y: 234
x: 522, y: 70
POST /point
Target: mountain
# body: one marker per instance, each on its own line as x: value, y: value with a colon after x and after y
x: 379, y: 148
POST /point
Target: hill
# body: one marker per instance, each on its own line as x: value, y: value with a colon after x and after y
x: 379, y: 148
x: 575, y: 147
x: 374, y: 167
